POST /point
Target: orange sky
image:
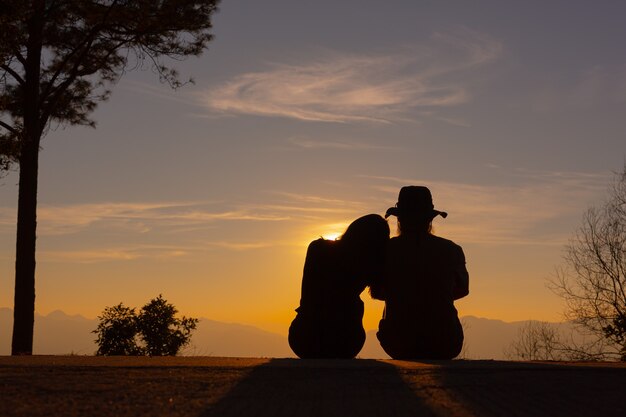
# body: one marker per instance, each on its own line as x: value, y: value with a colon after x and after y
x: 511, y: 112
x: 244, y: 264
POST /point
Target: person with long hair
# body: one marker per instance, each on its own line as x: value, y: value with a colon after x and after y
x: 329, y: 319
x: 424, y: 275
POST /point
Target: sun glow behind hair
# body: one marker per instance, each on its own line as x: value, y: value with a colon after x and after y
x: 332, y: 235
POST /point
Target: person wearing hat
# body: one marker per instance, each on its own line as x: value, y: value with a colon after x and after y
x: 424, y: 274
x: 329, y: 320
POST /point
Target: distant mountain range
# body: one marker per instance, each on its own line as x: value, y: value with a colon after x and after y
x: 58, y: 333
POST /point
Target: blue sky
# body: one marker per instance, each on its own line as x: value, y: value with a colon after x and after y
x: 306, y: 115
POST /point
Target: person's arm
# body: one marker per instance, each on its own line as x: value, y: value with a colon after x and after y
x: 310, y: 290
x: 461, y: 278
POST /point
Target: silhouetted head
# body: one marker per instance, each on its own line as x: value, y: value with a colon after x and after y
x: 366, y: 228
x: 415, y: 209
x: 364, y: 244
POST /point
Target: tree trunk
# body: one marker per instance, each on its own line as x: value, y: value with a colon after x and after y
x: 24, y: 310
x: 24, y: 302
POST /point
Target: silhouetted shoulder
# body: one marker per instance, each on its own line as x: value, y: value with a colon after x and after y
x: 453, y: 252
x: 444, y: 243
x: 439, y: 245
x: 319, y: 245
x: 318, y: 254
x: 433, y: 240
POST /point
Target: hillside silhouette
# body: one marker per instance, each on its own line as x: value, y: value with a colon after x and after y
x: 59, y: 333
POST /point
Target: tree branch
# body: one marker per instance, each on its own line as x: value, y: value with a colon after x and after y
x: 88, y: 40
x: 8, y: 127
x: 14, y: 74
x: 18, y: 55
x: 57, y: 91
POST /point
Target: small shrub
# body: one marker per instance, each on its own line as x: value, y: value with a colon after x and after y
x: 155, y: 331
x: 117, y: 331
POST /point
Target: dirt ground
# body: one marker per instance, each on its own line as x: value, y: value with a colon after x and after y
x: 206, y: 386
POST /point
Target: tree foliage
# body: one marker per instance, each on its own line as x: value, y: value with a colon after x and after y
x: 58, y: 60
x: 82, y: 48
x: 593, y: 280
x: 162, y: 333
x: 117, y: 331
x: 155, y: 331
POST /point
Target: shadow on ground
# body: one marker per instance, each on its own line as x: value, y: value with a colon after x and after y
x: 518, y: 389
x: 76, y: 386
x: 293, y: 387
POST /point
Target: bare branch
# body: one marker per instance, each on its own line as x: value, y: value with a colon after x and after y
x: 8, y: 127
x: 13, y: 73
x: 18, y: 55
x: 594, y: 283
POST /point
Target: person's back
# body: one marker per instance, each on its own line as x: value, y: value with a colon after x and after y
x: 329, y: 319
x: 424, y: 275
x: 421, y: 280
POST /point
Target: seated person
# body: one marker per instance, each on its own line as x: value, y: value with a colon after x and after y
x: 328, y: 323
x: 423, y: 276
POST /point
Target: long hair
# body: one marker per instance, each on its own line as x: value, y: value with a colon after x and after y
x: 415, y: 224
x: 370, y: 227
x: 364, y: 244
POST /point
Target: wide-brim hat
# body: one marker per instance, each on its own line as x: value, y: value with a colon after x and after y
x: 415, y: 200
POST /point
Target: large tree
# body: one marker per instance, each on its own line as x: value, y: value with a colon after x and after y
x: 593, y: 279
x: 58, y: 59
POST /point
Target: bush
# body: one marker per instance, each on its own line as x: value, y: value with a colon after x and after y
x: 155, y: 331
x: 162, y: 333
x: 117, y: 331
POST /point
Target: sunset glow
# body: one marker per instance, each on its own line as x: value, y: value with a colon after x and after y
x: 307, y: 115
x: 331, y: 236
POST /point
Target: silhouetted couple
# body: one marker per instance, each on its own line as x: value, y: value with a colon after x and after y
x: 417, y: 274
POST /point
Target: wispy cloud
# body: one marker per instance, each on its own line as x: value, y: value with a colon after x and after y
x: 89, y: 256
x: 182, y: 251
x: 136, y: 217
x: 112, y: 254
x: 157, y: 231
x: 529, y: 211
x: 310, y: 207
x: 351, y: 88
x: 316, y: 200
x: 241, y: 246
x: 530, y: 207
x: 338, y: 145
